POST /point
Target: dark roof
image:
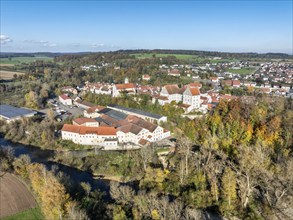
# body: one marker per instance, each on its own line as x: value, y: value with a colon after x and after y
x: 113, y: 113
x: 136, y: 111
x: 9, y: 112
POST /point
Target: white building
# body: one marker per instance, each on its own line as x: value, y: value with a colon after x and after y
x: 88, y: 122
x: 172, y: 92
x: 128, y: 88
x: 65, y: 100
x: 191, y: 96
x: 93, y: 112
x: 98, y: 136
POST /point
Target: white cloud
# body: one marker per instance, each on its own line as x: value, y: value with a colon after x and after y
x: 5, y: 39
x: 75, y: 44
x: 49, y: 44
x: 95, y: 45
x: 43, y: 43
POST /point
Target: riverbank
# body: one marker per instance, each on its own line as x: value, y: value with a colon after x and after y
x: 47, y: 157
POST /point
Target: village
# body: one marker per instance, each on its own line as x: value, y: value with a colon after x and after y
x: 114, y: 126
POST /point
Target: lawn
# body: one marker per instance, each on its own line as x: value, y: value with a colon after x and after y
x: 241, y: 71
x: 31, y: 214
x: 19, y: 60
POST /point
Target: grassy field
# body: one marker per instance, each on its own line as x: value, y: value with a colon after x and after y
x: 241, y: 71
x: 31, y: 214
x: 19, y: 60
x: 193, y: 58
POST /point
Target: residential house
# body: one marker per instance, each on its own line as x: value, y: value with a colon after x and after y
x: 146, y: 77
x: 88, y: 122
x: 191, y: 96
x: 174, y: 72
x: 128, y: 88
x: 172, y: 92
x: 93, y: 112
x: 65, y: 100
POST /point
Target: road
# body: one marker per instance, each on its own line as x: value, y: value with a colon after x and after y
x: 57, y: 107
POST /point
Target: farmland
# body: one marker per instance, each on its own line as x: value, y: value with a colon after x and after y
x: 5, y: 74
x: 194, y: 58
x: 20, y: 60
x: 15, y: 196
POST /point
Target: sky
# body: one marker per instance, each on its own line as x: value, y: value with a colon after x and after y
x: 77, y: 26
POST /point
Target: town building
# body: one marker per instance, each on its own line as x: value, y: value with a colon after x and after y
x: 93, y: 112
x: 97, y: 136
x: 128, y: 88
x: 88, y: 122
x: 139, y: 113
x: 65, y: 99
x: 10, y: 113
x: 191, y: 96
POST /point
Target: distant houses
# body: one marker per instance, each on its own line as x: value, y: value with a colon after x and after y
x: 146, y: 77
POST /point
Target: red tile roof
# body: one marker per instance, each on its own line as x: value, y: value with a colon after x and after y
x: 89, y: 130
x: 195, y: 84
x: 195, y: 91
x: 81, y: 121
x: 94, y: 109
x: 64, y: 97
x: 173, y: 89
x: 236, y: 83
x: 125, y: 86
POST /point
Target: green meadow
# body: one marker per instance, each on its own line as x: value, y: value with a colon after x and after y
x: 20, y: 60
x: 30, y: 214
x: 243, y: 71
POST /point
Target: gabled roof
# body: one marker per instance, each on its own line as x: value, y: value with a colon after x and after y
x: 89, y: 130
x: 130, y: 128
x: 141, y: 123
x: 64, y: 97
x: 125, y: 86
x: 195, y: 84
x: 174, y: 71
x: 194, y: 91
x: 81, y: 121
x: 173, y: 89
x: 143, y: 142
x: 95, y: 109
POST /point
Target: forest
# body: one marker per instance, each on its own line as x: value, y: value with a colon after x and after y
x: 233, y: 163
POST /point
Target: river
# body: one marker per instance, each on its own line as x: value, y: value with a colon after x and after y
x: 43, y: 156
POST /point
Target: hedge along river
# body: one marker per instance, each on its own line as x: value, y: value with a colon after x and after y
x: 43, y: 156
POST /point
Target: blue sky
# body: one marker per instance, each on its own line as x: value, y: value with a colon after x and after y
x: 73, y: 26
